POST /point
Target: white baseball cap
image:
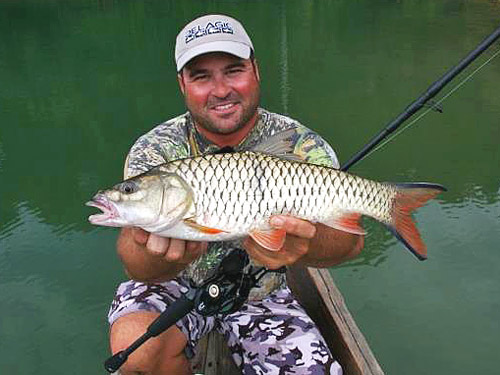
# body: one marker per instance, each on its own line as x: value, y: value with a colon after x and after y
x: 211, y: 33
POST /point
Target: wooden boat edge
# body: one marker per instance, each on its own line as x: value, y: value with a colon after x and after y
x: 323, y: 301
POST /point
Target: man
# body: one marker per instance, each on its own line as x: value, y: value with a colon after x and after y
x: 219, y: 79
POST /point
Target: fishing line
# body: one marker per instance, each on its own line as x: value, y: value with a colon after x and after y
x: 435, y: 104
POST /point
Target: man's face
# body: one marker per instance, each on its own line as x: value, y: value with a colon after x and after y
x: 221, y: 91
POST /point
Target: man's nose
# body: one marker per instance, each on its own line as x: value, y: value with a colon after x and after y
x: 221, y: 88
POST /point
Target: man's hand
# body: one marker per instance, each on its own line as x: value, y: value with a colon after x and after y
x: 299, y: 234
x: 171, y: 249
x: 150, y: 258
x: 313, y: 245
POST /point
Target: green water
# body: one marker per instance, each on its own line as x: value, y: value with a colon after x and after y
x: 81, y: 80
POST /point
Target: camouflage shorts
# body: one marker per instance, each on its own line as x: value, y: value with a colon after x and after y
x: 270, y: 336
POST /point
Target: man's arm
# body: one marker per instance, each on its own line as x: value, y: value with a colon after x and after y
x: 151, y: 258
x: 314, y: 245
x: 332, y: 246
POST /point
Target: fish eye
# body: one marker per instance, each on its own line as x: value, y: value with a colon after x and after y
x: 127, y: 187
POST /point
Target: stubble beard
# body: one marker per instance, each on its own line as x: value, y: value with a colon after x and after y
x: 206, y: 123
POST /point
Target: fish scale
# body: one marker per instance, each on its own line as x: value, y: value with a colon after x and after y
x: 284, y: 187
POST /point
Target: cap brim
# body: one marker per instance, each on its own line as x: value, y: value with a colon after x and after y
x: 234, y: 48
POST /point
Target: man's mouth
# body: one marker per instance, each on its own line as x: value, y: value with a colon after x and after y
x: 224, y: 107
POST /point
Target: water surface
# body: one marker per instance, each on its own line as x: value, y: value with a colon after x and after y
x: 81, y: 80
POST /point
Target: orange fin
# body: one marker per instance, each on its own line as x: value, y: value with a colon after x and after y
x: 271, y: 239
x: 347, y: 222
x: 410, y: 197
x: 193, y: 224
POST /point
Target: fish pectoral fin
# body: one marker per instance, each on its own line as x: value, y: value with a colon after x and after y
x: 271, y: 239
x: 347, y: 222
x: 207, y: 230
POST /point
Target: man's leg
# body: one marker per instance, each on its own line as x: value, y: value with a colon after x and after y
x: 276, y: 336
x: 134, y: 308
x: 163, y: 354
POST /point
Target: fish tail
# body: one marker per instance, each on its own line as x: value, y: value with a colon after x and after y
x: 409, y: 197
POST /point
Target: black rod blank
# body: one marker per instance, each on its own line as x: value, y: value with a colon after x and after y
x: 431, y: 91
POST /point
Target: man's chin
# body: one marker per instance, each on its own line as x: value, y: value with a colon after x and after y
x: 225, y: 130
x: 222, y: 125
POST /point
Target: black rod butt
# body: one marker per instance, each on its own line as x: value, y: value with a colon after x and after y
x: 114, y: 362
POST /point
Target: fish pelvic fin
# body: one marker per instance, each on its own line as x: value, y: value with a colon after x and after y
x: 409, y: 197
x: 207, y: 230
x: 271, y: 239
x: 347, y: 222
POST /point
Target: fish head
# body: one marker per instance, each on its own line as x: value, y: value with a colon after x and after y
x: 148, y: 201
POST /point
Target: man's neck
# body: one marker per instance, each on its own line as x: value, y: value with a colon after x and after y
x: 232, y: 139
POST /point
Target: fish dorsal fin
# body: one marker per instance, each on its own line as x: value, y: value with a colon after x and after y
x: 280, y: 145
x: 271, y: 239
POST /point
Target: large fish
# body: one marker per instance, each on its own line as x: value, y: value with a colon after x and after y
x: 224, y: 196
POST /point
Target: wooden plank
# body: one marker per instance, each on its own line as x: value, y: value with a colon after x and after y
x: 323, y: 301
x: 213, y: 357
x: 219, y: 360
x: 198, y: 361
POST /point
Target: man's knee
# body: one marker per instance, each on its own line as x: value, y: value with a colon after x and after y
x: 157, y: 355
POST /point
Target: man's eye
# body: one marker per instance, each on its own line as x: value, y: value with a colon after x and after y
x: 200, y: 77
x: 235, y: 71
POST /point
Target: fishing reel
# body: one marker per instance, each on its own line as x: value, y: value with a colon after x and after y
x: 227, y: 291
x: 223, y: 293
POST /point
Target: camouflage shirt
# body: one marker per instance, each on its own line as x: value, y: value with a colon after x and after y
x: 178, y: 138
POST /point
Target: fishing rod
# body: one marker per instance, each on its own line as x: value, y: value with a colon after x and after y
x: 431, y: 91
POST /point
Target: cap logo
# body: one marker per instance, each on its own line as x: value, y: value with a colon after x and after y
x: 216, y: 27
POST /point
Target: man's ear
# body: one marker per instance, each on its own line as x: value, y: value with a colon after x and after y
x: 256, y: 69
x: 180, y: 80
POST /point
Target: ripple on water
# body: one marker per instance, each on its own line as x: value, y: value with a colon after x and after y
x: 24, y: 213
x: 9, y: 227
x: 474, y: 197
x: 64, y: 228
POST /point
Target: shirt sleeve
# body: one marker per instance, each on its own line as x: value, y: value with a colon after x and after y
x: 165, y: 142
x: 144, y: 155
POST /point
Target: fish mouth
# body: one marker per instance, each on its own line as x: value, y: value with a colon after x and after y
x: 109, y: 212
